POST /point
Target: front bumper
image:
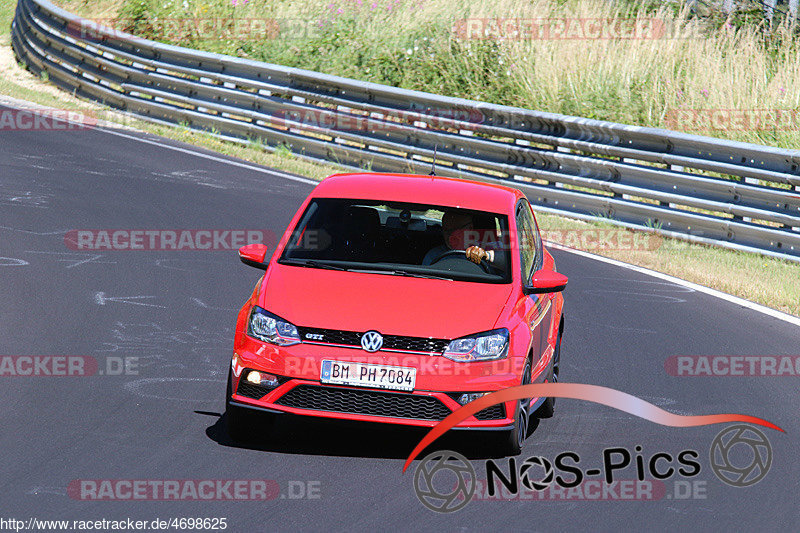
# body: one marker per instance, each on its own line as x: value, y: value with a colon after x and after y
x: 312, y: 398
x: 300, y: 392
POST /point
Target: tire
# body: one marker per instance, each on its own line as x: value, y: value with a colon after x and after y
x: 242, y: 424
x: 512, y: 441
x: 547, y: 408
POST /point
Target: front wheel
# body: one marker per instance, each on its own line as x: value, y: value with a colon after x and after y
x: 513, y: 440
x: 548, y: 407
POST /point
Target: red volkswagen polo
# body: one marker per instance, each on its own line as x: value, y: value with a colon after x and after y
x: 398, y: 299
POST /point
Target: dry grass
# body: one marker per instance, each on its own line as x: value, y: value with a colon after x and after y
x: 101, y: 10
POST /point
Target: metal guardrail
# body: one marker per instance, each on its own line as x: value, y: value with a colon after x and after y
x: 702, y: 189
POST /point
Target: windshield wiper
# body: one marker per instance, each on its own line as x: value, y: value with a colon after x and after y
x: 310, y: 263
x: 394, y: 272
x: 400, y: 273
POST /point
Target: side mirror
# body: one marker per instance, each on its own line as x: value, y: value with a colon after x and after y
x: 253, y: 255
x: 544, y: 281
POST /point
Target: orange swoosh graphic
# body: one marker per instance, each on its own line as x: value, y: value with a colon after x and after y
x: 577, y: 391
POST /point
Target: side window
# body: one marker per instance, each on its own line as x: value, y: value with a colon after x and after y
x: 527, y: 234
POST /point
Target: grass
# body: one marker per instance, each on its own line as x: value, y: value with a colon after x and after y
x: 6, y: 14
x: 695, y: 63
x: 381, y: 56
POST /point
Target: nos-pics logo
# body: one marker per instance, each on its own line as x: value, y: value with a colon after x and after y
x: 445, y: 481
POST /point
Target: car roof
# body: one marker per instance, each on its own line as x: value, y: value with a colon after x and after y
x: 434, y: 190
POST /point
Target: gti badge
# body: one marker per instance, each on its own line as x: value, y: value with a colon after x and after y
x: 371, y: 341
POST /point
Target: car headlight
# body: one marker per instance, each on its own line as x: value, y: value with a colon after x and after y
x: 265, y: 326
x: 486, y: 346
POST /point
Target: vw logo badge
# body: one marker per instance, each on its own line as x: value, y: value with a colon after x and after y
x: 371, y: 341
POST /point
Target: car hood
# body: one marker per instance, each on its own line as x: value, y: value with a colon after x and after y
x: 393, y: 305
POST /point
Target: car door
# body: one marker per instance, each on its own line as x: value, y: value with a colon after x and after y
x: 539, y: 308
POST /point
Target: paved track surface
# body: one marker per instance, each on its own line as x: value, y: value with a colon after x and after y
x: 164, y: 423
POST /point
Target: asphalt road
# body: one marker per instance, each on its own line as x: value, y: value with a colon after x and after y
x: 175, y: 312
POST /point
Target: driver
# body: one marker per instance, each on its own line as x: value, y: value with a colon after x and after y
x: 455, y: 228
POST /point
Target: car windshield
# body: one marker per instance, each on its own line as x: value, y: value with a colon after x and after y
x: 401, y: 239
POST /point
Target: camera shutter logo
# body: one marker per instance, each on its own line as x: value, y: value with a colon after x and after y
x: 457, y: 470
x: 372, y: 341
x: 723, y: 457
x: 524, y: 473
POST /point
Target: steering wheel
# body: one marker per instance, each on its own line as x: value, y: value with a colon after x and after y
x: 460, y: 253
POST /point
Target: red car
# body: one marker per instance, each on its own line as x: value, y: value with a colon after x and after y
x: 398, y: 299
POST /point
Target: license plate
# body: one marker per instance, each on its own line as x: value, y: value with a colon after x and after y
x: 366, y: 375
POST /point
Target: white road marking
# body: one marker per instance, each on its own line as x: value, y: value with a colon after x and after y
x: 204, y: 305
x: 694, y: 286
x: 92, y: 258
x: 12, y: 261
x: 136, y: 387
x: 100, y: 298
x: 34, y: 232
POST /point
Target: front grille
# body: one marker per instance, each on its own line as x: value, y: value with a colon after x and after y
x: 332, y: 336
x: 495, y: 412
x: 364, y: 402
x: 414, y: 344
x: 390, y: 342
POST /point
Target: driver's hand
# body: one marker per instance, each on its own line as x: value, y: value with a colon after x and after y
x: 476, y: 254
